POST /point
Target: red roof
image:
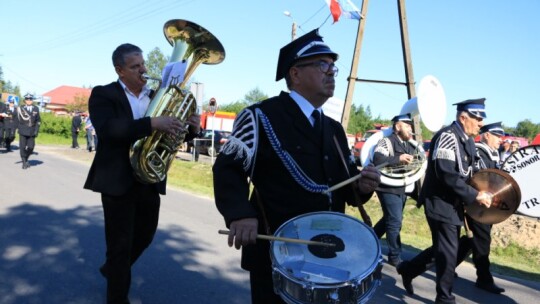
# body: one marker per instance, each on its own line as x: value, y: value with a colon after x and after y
x: 64, y: 95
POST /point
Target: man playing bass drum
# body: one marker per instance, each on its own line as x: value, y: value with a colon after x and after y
x: 487, y: 148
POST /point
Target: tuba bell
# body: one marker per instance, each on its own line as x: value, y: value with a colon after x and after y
x: 430, y: 104
x: 152, y: 156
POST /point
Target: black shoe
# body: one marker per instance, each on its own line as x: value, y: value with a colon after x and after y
x: 407, y: 279
x: 490, y: 287
x: 25, y: 164
x: 394, y: 262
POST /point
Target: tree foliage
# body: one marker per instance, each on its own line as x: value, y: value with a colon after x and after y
x: 79, y: 104
x: 155, y: 62
x: 527, y: 129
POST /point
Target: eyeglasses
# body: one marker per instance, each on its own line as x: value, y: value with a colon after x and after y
x: 324, y: 66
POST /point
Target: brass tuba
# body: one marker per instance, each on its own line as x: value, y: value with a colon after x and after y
x: 152, y: 156
x: 430, y: 104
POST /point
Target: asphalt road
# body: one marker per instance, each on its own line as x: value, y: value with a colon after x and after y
x: 52, y: 243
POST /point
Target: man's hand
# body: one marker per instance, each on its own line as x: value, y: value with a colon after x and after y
x: 369, y: 180
x: 406, y: 158
x: 194, y: 122
x: 243, y: 232
x: 167, y: 124
x: 484, y: 198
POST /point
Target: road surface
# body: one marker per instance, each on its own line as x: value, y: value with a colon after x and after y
x: 52, y: 243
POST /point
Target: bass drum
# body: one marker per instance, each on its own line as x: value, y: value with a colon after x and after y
x: 348, y: 272
x: 524, y: 166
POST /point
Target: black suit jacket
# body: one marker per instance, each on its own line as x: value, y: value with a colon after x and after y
x: 280, y: 195
x: 111, y: 172
x: 28, y: 121
x: 450, y: 166
x: 76, y: 122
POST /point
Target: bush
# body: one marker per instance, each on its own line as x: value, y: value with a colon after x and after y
x: 57, y: 125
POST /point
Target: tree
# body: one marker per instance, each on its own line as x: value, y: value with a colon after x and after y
x: 527, y: 129
x: 80, y: 104
x: 234, y: 107
x: 155, y: 62
x: 254, y: 96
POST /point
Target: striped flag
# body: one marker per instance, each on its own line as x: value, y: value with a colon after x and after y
x: 345, y: 8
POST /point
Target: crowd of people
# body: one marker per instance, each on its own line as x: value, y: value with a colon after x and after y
x: 282, y: 160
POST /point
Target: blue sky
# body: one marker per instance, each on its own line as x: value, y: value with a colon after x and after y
x: 475, y: 48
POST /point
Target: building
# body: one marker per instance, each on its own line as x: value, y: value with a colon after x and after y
x: 64, y: 95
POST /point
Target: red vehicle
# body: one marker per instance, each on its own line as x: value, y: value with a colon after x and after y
x: 536, y: 140
x: 361, y: 140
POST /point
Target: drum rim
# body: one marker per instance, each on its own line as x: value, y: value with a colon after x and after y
x: 370, y: 270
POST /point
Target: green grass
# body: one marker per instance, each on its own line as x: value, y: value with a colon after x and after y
x: 511, y: 260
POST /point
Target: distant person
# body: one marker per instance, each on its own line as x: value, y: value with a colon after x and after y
x: 28, y: 122
x: 76, y: 122
x: 90, y: 134
x: 10, y: 124
x: 3, y: 109
x: 130, y: 207
x: 505, y: 150
x: 395, y: 150
x: 514, y: 146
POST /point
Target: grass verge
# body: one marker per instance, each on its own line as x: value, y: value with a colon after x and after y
x: 196, y: 178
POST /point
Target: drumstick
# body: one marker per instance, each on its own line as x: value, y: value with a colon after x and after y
x: 352, y: 179
x: 284, y: 239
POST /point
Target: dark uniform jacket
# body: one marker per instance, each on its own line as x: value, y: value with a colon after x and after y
x: 111, y: 172
x: 489, y: 158
x: 450, y: 166
x: 248, y: 152
x: 389, y: 149
x: 28, y: 121
x: 10, y: 122
x: 3, y: 108
x: 76, y: 122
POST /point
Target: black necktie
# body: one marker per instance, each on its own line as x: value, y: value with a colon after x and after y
x: 317, y: 120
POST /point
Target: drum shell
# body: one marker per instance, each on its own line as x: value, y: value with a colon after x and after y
x: 354, y: 285
x: 524, y: 166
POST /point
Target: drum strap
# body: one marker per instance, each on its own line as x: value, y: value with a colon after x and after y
x: 361, y: 209
x: 263, y: 213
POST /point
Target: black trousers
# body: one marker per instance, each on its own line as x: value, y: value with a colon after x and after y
x: 131, y: 221
x: 74, y: 139
x: 480, y: 247
x: 262, y: 288
x: 8, y: 134
x: 26, y: 146
x: 445, y: 249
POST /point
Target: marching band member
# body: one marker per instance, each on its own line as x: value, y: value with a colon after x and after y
x: 394, y: 150
x: 487, y: 148
x: 10, y: 124
x: 28, y: 121
x: 445, y: 190
x: 292, y: 153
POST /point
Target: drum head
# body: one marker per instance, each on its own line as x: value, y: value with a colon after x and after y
x: 356, y: 256
x: 524, y: 166
x: 506, y: 196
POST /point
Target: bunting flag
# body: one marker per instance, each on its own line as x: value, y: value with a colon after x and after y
x: 345, y: 8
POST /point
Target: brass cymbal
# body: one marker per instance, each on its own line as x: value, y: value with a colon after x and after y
x: 506, y: 196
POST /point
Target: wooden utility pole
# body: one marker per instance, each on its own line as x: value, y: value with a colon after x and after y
x: 409, y: 83
x: 354, y: 67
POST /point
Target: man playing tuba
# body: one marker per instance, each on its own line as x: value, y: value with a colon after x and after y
x: 396, y: 151
x: 130, y: 207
